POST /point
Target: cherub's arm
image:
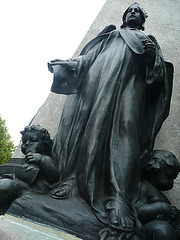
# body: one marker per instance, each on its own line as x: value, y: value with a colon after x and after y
x: 153, y: 204
x: 148, y: 212
x: 46, y: 165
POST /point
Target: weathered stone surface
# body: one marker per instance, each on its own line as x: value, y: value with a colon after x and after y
x: 12, y: 228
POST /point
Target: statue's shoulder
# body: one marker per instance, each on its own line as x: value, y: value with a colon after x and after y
x: 97, y: 39
x: 108, y: 29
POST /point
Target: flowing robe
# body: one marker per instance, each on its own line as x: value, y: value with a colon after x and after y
x: 108, y: 126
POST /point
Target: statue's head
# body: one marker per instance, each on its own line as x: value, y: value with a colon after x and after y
x: 161, y: 168
x: 134, y: 16
x: 36, y: 139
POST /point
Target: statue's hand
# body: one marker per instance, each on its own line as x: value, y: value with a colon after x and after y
x: 169, y: 210
x: 33, y: 158
x: 150, y: 50
x: 110, y: 233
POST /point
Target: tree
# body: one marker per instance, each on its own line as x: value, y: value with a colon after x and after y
x: 6, y: 144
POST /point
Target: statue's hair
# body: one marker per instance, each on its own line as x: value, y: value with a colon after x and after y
x: 142, y: 12
x: 43, y: 135
x: 159, y: 159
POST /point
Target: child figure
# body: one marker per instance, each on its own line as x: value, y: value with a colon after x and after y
x: 160, y: 219
x: 38, y: 171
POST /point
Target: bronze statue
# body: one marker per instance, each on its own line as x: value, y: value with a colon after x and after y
x: 119, y: 95
x: 160, y: 219
x: 120, y: 89
x: 37, y: 172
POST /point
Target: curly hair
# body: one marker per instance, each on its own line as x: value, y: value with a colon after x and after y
x: 45, y: 142
x: 160, y: 159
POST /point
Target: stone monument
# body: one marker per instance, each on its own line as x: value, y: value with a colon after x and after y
x: 87, y: 172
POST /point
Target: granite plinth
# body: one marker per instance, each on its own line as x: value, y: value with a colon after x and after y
x: 12, y: 228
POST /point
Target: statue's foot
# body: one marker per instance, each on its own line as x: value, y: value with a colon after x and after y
x: 119, y: 216
x: 62, y: 192
x: 109, y: 233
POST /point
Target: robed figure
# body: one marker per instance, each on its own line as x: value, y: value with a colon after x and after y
x: 120, y: 89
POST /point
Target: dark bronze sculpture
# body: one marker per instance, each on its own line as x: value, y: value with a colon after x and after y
x: 36, y: 172
x: 120, y: 90
x: 160, y: 219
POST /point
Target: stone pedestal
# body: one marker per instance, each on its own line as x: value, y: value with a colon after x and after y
x: 12, y: 228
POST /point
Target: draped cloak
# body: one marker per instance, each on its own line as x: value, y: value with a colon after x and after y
x: 109, y: 123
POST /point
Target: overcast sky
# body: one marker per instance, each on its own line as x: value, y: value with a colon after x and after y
x: 34, y: 32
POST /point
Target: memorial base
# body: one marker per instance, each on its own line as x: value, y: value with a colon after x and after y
x: 13, y: 228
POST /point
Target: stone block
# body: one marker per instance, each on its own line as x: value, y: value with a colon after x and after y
x: 12, y: 228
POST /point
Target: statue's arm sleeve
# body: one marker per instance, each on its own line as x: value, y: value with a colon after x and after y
x: 69, y: 75
x: 155, y: 72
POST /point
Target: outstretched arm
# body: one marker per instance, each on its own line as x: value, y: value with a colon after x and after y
x: 65, y: 76
x: 69, y: 74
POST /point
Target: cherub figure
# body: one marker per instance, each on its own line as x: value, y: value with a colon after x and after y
x: 160, y: 219
x: 38, y: 172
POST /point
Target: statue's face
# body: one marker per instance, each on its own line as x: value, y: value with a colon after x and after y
x: 164, y: 179
x: 133, y: 17
x: 30, y: 143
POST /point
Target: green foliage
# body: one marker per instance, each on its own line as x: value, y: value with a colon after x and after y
x: 6, y: 144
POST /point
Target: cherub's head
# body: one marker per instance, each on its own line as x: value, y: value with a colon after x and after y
x: 160, y: 169
x: 36, y: 139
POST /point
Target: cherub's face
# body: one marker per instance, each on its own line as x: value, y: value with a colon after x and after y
x: 30, y: 143
x: 164, y: 179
